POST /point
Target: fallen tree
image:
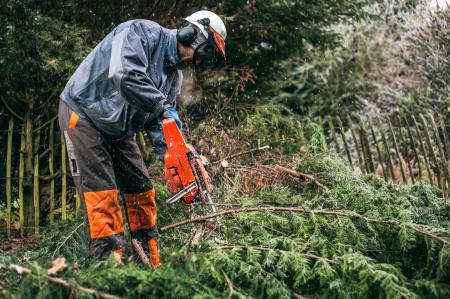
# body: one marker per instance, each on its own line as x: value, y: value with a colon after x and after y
x: 359, y: 237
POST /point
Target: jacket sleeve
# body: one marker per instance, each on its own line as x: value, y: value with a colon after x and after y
x: 128, y: 69
x: 154, y: 128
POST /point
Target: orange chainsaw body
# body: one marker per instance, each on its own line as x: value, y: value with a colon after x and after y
x: 183, y: 166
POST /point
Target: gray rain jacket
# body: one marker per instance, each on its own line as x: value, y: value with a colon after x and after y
x: 123, y: 85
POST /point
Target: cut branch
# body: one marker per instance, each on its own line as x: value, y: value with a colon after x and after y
x: 428, y: 234
x: 230, y: 285
x: 300, y: 175
x: 243, y: 153
x: 303, y: 210
x: 73, y: 287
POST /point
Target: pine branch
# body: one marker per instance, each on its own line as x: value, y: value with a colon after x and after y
x: 303, y: 210
x: 25, y: 271
x: 308, y: 255
x: 66, y: 239
x: 428, y: 234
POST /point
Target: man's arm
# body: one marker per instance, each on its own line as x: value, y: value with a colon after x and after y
x: 154, y: 129
x: 128, y: 70
x: 156, y: 135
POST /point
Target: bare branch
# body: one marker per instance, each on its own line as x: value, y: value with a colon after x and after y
x: 303, y: 210
x: 243, y: 153
x: 45, y: 124
x: 300, y: 174
x: 73, y: 287
x: 13, y: 113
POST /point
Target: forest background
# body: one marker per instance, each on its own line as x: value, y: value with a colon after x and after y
x: 262, y: 121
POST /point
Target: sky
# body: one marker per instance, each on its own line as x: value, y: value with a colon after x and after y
x: 442, y: 4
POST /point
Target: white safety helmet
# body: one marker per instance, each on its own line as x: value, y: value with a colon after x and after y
x: 215, y: 22
x: 209, y: 43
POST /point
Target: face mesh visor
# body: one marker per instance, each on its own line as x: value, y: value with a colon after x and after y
x: 207, y: 55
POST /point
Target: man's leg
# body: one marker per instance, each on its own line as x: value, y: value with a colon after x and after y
x: 92, y: 169
x: 139, y: 196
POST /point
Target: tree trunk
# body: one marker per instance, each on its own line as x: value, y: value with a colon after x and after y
x: 36, y: 182
x: 28, y: 204
x: 8, y: 176
x: 51, y: 171
x: 64, y: 179
x: 21, y: 173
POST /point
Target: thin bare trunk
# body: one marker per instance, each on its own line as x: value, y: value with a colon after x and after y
x: 64, y: 179
x: 8, y: 176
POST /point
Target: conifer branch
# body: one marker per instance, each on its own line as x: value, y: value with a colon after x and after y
x: 308, y: 255
x: 303, y: 210
x: 429, y: 234
x: 66, y: 239
x: 73, y: 287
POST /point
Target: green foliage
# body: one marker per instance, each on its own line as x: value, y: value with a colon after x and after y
x: 37, y: 52
x: 393, y: 60
x: 270, y: 31
x: 325, y: 82
x: 277, y: 254
x: 262, y: 125
x: 272, y: 122
x: 430, y: 48
x: 315, y: 138
x: 258, y: 30
x: 269, y: 254
x: 44, y: 41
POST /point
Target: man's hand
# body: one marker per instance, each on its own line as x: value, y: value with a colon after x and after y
x: 172, y: 113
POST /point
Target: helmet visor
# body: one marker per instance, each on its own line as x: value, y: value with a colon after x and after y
x: 207, y: 55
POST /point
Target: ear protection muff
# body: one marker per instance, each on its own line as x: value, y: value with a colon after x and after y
x: 186, y: 35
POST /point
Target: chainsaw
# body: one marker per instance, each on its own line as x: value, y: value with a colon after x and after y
x: 184, y: 172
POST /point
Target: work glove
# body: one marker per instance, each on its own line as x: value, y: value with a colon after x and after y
x: 172, y: 113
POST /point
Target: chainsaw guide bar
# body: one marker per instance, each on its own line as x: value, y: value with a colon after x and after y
x: 185, y: 173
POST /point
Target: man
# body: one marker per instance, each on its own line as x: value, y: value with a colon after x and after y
x: 128, y: 83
